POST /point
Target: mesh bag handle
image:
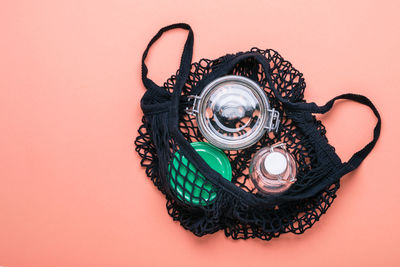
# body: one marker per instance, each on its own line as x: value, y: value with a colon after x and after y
x: 158, y: 92
x: 360, y: 155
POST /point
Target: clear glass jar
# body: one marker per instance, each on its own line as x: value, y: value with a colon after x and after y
x: 233, y: 112
x: 273, y: 169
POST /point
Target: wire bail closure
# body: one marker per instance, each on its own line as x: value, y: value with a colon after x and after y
x: 274, y: 120
x: 273, y: 115
x: 194, y: 109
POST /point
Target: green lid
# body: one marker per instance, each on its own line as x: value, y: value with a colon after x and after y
x: 182, y: 180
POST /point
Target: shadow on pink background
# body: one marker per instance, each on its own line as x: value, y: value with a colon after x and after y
x: 72, y: 192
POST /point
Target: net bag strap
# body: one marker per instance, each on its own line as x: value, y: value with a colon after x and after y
x: 360, y: 155
x: 157, y: 92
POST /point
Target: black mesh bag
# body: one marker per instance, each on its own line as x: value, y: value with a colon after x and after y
x: 235, y: 206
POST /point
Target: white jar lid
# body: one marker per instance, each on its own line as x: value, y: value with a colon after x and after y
x: 275, y: 163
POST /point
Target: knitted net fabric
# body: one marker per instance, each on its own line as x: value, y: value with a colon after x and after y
x: 204, y: 207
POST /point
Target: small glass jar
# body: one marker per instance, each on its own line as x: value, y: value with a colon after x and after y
x: 273, y: 169
x: 233, y: 112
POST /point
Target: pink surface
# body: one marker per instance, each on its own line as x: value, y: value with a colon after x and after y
x: 72, y: 192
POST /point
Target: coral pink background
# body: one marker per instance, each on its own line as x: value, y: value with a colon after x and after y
x: 72, y: 192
